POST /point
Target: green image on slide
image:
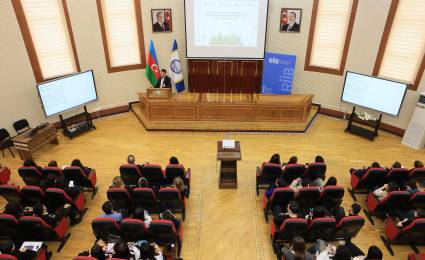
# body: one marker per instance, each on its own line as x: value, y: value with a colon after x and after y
x: 226, y: 40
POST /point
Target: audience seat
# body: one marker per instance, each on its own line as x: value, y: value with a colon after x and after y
x: 315, y: 170
x: 418, y: 256
x: 280, y: 196
x: 177, y: 170
x: 153, y: 173
x: 32, y: 195
x: 307, y: 197
x: 323, y: 228
x: 289, y: 228
x: 76, y: 174
x: 9, y: 227
x: 349, y: 227
x: 11, y: 193
x: 163, y: 232
x: 7, y: 257
x: 130, y: 174
x: 374, y: 177
x: 412, y: 235
x: 56, y: 198
x: 30, y: 175
x: 145, y: 198
x: 134, y: 230
x: 417, y: 200
x: 120, y: 198
x: 292, y: 172
x: 35, y: 229
x: 417, y: 173
x: 170, y: 198
x: 394, y: 199
x: 103, y: 228
x: 51, y: 170
x: 267, y: 174
x: 331, y: 197
x: 397, y: 175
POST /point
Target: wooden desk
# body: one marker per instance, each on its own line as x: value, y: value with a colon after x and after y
x: 26, y: 144
x: 4, y: 175
x: 228, y: 165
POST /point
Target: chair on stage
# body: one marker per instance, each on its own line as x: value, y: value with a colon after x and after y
x: 5, y: 141
x: 21, y: 126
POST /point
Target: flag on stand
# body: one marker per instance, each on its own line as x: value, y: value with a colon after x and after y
x: 176, y: 72
x: 152, y: 68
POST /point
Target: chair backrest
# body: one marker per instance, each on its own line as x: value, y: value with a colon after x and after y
x: 8, y: 227
x: 153, y: 173
x: 308, y: 196
x: 51, y: 170
x: 418, y: 173
x: 103, y: 227
x: 4, y: 134
x: 31, y: 175
x: 270, y: 172
x: 292, y: 227
x: 331, y: 196
x: 323, y: 228
x: 35, y: 228
x: 7, y: 257
x: 413, y: 256
x: 32, y: 194
x: 162, y: 231
x: 395, y: 199
x: 349, y: 226
x: 169, y: 194
x: 282, y: 196
x: 130, y: 174
x: 417, y: 200
x: 21, y: 125
x: 315, y: 170
x: 11, y: 193
x: 293, y: 171
x: 414, y: 232
x: 119, y: 197
x: 146, y: 198
x: 374, y: 177
x: 134, y: 230
x: 174, y: 170
x: 57, y: 197
x: 76, y: 174
x: 397, y: 175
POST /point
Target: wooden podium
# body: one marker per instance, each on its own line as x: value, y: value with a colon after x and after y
x: 228, y: 165
x: 30, y: 141
x: 159, y: 93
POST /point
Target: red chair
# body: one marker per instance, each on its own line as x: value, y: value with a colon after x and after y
x: 84, y: 258
x: 51, y: 170
x: 35, y: 229
x: 104, y: 227
x: 331, y: 197
x: 266, y: 175
x: 177, y: 170
x: 307, y: 197
x: 315, y: 170
x: 163, y: 232
x: 145, y: 198
x: 56, y: 198
x: 30, y: 175
x: 323, y: 228
x: 32, y: 195
x: 289, y: 228
x: 292, y: 172
x: 417, y: 200
x: 170, y: 198
x: 374, y: 177
x: 120, y: 198
x: 394, y: 199
x: 397, y: 175
x: 418, y: 256
x: 134, y: 230
x: 130, y: 174
x: 280, y: 196
x: 153, y: 173
x: 77, y: 175
x: 417, y: 173
x: 11, y: 193
x: 349, y: 227
x: 9, y: 227
x: 7, y: 257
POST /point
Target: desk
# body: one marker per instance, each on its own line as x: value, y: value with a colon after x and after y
x: 228, y: 165
x: 4, y: 175
x: 26, y: 144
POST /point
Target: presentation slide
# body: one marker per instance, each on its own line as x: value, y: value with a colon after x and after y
x: 66, y: 93
x: 226, y: 28
x: 382, y: 95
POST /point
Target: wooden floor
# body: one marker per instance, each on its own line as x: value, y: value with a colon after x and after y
x: 220, y: 224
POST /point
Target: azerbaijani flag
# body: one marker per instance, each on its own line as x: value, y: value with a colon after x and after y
x: 152, y: 68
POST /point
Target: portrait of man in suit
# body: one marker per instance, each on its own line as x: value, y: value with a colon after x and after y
x: 161, y: 20
x: 290, y: 20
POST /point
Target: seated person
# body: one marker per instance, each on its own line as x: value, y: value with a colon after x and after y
x: 141, y: 214
x: 405, y: 218
x: 317, y: 212
x: 292, y: 160
x: 77, y: 163
x: 52, y: 219
x: 117, y: 182
x: 121, y: 250
x: 418, y: 164
x: 396, y: 165
x: 178, y: 183
x: 48, y: 182
x: 31, y: 163
x: 279, y: 183
x: 360, y: 172
x: 8, y: 247
x: 354, y: 210
x: 109, y: 212
x: 297, y: 250
x: 292, y: 211
x: 14, y: 209
x: 332, y: 181
x: 53, y: 163
x: 63, y: 184
x: 382, y: 192
x: 150, y: 251
x: 373, y: 253
x: 298, y: 183
x: 415, y: 185
x: 168, y: 215
x: 275, y: 159
x: 131, y: 159
x: 96, y: 251
x: 174, y: 160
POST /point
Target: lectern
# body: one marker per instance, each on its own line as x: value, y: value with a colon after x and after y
x: 228, y: 165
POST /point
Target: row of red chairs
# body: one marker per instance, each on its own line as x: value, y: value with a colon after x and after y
x: 154, y: 174
x: 132, y: 230
x: 269, y: 172
x: 33, y: 176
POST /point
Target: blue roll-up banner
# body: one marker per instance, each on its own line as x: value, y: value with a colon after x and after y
x: 278, y: 73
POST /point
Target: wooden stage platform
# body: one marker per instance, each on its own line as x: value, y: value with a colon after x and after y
x: 226, y: 112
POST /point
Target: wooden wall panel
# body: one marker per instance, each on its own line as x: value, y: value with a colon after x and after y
x: 225, y: 76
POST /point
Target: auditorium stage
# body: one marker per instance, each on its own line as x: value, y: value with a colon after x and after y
x: 227, y: 112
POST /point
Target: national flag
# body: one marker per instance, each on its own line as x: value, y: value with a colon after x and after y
x: 152, y: 68
x: 176, y: 71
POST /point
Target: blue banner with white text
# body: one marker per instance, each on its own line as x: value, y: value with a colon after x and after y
x: 278, y: 73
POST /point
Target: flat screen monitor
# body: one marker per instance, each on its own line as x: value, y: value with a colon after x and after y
x: 226, y: 29
x: 68, y: 92
x: 382, y: 95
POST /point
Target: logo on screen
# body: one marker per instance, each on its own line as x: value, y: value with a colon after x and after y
x: 176, y: 66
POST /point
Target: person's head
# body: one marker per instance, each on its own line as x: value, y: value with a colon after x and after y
x: 13, y: 208
x: 293, y: 160
x: 174, y: 160
x: 61, y: 182
x: 77, y: 163
x: 291, y: 17
x: 166, y: 214
x: 160, y: 17
x: 420, y: 184
x: 131, y: 159
x: 298, y: 245
x: 319, y: 212
x: 293, y: 207
x: 392, y: 186
x: 147, y: 251
x: 280, y: 183
x: 342, y: 253
x: 275, y: 158
x: 396, y: 165
x: 53, y: 163
x: 374, y: 253
x: 117, y: 182
x: 143, y: 182
x: 39, y: 209
x: 179, y: 184
x: 331, y: 181
x: 7, y: 247
x: 376, y: 165
x: 354, y: 209
x: 97, y: 252
x: 163, y: 73
x: 121, y: 250
x: 319, y: 159
x: 139, y: 213
x: 29, y: 162
x: 418, y: 164
x: 411, y: 183
x: 107, y: 207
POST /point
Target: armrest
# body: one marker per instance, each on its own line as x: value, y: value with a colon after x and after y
x: 258, y: 171
x: 189, y: 174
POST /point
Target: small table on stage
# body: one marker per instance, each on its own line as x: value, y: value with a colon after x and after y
x: 26, y: 144
x: 228, y: 165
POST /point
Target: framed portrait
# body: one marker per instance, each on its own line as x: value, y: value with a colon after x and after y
x: 290, y: 20
x: 162, y: 20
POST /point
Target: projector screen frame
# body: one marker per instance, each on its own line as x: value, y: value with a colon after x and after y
x: 63, y: 77
x: 226, y: 58
x: 392, y: 115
